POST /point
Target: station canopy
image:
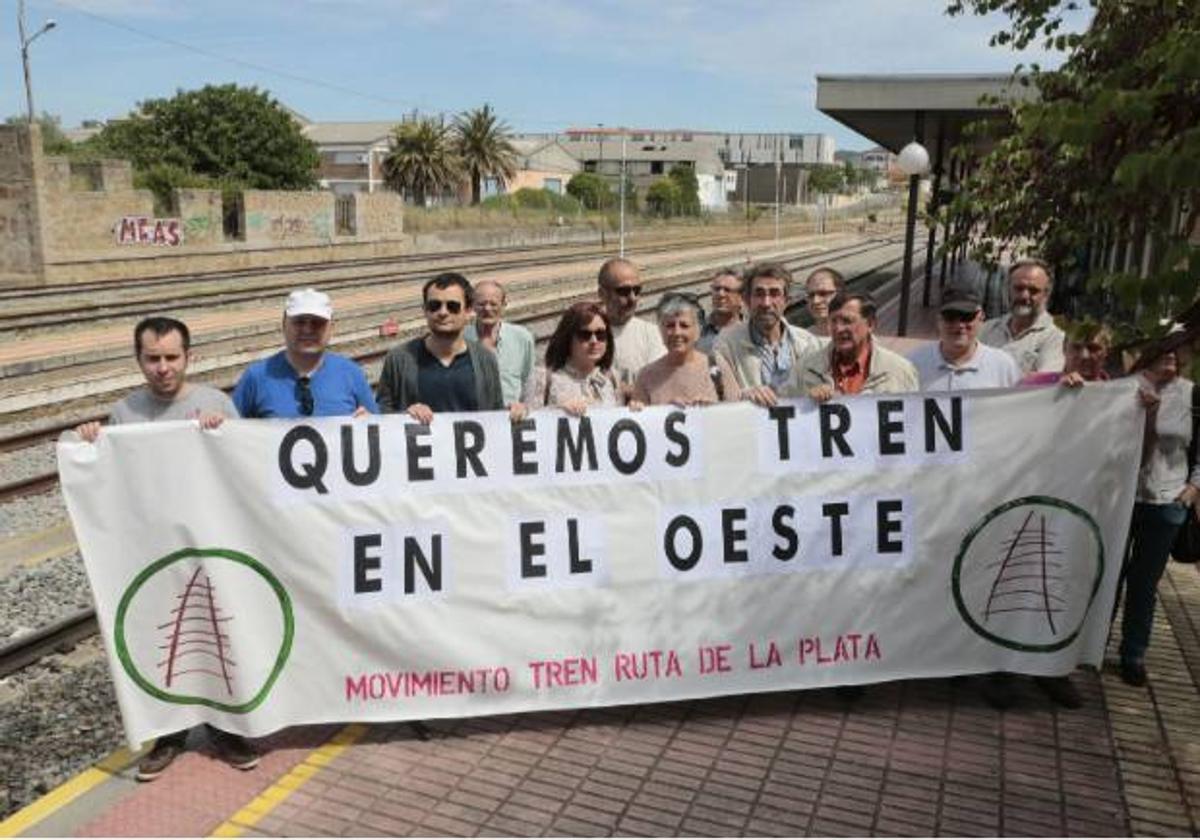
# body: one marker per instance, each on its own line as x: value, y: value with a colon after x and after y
x: 934, y: 109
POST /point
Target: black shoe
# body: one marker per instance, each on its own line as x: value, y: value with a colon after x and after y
x: 1061, y: 690
x: 998, y: 690
x: 155, y: 762
x: 234, y: 749
x: 1133, y: 673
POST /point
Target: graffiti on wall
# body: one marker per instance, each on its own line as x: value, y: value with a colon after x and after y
x: 282, y: 227
x: 143, y: 230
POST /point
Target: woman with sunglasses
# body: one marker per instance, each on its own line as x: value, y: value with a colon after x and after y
x: 685, y: 375
x: 578, y: 372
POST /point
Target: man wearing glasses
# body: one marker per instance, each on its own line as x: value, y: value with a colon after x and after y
x: 726, y: 289
x: 304, y: 379
x: 636, y: 343
x: 442, y: 370
x: 819, y: 288
x: 958, y: 361
x: 1028, y: 332
x: 763, y: 350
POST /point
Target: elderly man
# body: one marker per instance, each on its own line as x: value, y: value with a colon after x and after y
x: 162, y: 348
x: 1085, y: 354
x: 726, y: 289
x: 763, y: 350
x: 820, y: 287
x: 957, y: 361
x: 636, y: 343
x: 305, y: 379
x: 1027, y: 333
x: 512, y: 343
x: 441, y: 370
x: 853, y: 363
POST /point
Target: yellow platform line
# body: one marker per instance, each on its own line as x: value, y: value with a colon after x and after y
x: 67, y: 792
x: 263, y: 804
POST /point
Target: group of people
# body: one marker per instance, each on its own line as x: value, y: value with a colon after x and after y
x: 470, y: 358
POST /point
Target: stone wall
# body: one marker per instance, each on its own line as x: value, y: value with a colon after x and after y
x: 62, y: 224
x: 379, y: 215
x: 20, y: 226
x: 82, y: 223
x: 201, y: 216
x: 288, y: 218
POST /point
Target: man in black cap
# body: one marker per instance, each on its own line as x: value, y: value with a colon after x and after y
x: 958, y: 361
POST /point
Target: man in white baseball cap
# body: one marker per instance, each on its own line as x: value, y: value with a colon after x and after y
x: 304, y: 379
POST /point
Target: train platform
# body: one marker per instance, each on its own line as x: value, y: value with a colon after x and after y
x: 920, y: 757
x: 916, y: 757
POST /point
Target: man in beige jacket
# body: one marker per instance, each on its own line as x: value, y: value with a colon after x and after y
x: 764, y: 349
x: 852, y: 363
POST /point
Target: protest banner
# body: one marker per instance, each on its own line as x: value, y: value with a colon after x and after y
x: 268, y: 574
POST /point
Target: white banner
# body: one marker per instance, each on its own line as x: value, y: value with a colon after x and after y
x: 267, y: 574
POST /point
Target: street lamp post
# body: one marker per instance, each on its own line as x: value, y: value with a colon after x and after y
x: 25, y: 42
x: 624, y: 137
x: 913, y: 162
x: 778, y: 172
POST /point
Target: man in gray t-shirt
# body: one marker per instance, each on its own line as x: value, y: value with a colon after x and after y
x: 195, y: 401
x: 161, y: 346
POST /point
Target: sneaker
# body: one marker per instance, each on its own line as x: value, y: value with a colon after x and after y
x: 998, y: 690
x: 1133, y: 672
x: 1061, y: 690
x: 155, y: 762
x: 234, y: 749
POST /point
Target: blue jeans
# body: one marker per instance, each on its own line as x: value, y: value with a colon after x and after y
x: 1151, y: 535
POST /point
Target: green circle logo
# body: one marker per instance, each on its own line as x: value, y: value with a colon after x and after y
x: 1027, y: 573
x: 175, y: 629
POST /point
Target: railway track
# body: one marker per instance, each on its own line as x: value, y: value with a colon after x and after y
x: 357, y: 336
x: 68, y: 631
x: 251, y: 285
x: 59, y: 636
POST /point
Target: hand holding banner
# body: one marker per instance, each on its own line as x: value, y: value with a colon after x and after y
x: 267, y: 574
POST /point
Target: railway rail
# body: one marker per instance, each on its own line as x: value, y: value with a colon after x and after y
x: 358, y: 336
x: 75, y: 627
x: 176, y: 279
x: 249, y: 285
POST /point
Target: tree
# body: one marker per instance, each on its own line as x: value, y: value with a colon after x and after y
x: 592, y: 191
x: 689, y: 189
x: 663, y: 198
x: 1100, y: 172
x: 422, y: 159
x: 481, y: 143
x: 825, y: 179
x: 223, y: 133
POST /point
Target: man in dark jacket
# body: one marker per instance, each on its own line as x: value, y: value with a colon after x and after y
x: 441, y: 371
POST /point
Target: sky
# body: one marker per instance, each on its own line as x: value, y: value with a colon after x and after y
x: 544, y: 65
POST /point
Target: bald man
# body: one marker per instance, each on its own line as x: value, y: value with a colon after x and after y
x: 637, y: 343
x: 512, y: 343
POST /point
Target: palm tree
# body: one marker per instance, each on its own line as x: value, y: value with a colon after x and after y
x: 422, y: 159
x: 481, y: 140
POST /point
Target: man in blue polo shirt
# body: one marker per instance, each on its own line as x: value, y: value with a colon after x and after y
x: 303, y: 379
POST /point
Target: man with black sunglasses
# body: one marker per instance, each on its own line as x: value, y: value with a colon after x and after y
x: 958, y: 361
x: 636, y: 343
x: 305, y: 379
x: 442, y: 370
